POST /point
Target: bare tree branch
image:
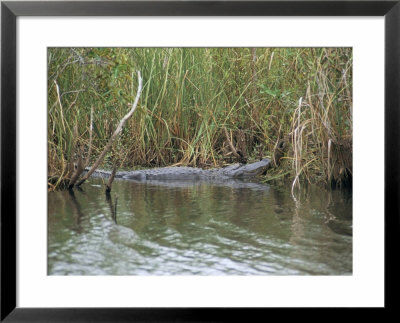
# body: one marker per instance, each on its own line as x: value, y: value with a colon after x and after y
x: 59, y: 102
x: 90, y: 138
x: 78, y: 171
x: 115, y: 134
x: 72, y: 152
x: 111, y: 179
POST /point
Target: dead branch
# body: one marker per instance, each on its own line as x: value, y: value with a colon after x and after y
x: 78, y: 171
x: 71, y: 167
x: 111, y: 179
x: 59, y: 102
x: 115, y: 134
x: 117, y: 164
x: 90, y: 138
x: 75, y: 173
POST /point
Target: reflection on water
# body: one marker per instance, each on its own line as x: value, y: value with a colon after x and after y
x: 198, y: 228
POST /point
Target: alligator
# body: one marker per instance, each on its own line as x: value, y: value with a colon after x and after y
x: 235, y: 171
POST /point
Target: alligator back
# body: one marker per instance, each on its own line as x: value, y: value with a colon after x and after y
x: 191, y: 173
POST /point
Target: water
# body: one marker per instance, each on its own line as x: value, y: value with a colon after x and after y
x: 198, y: 228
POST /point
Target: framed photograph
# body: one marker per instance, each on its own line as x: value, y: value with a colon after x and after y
x: 177, y: 160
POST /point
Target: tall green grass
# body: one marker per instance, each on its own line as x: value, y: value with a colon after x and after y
x: 190, y: 95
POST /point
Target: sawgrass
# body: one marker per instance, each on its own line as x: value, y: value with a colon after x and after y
x: 302, y: 96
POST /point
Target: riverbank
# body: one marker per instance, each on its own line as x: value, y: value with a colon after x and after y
x: 204, y: 107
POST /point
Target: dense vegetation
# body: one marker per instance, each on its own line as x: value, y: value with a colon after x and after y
x: 204, y: 107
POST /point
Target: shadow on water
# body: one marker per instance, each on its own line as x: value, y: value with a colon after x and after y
x: 77, y: 210
x: 198, y: 228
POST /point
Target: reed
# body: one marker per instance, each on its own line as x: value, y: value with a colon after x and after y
x: 192, y: 96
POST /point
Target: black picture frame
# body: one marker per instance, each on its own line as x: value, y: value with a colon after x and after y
x: 10, y: 10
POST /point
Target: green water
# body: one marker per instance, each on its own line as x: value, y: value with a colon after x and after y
x: 198, y: 228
